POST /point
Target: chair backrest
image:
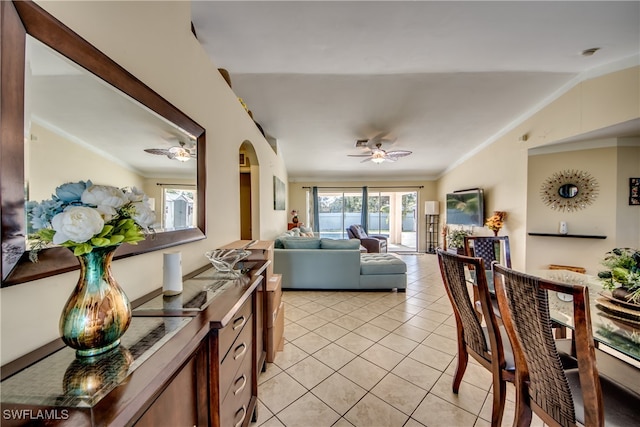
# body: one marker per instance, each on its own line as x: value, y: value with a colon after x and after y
x: 452, y: 268
x: 524, y: 306
x: 489, y: 248
x: 356, y: 231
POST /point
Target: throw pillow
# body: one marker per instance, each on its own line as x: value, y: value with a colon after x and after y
x: 301, y: 243
x: 339, y: 244
x: 304, y: 229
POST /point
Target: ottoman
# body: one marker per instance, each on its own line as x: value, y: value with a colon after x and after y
x: 382, y: 271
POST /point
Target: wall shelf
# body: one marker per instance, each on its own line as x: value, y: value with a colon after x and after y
x: 578, y: 236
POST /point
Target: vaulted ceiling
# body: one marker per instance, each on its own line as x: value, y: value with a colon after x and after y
x: 441, y: 78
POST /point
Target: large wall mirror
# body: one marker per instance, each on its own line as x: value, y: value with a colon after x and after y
x: 69, y: 113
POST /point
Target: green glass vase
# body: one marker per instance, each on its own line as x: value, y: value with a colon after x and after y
x: 98, y: 312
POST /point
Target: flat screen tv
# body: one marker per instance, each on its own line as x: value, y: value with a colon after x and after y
x: 466, y: 207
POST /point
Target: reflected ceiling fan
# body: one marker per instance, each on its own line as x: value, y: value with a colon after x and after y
x: 377, y: 154
x: 178, y: 152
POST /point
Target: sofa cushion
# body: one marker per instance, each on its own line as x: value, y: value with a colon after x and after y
x: 301, y: 243
x: 382, y: 263
x: 339, y: 244
x: 278, y: 241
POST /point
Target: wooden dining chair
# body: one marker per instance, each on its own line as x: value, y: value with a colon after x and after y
x: 560, y: 397
x: 490, y: 249
x: 487, y: 344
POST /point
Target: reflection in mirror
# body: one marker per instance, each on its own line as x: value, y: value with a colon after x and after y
x: 568, y: 191
x: 79, y: 128
x: 152, y: 145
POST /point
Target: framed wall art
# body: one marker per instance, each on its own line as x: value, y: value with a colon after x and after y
x: 634, y: 191
x: 569, y: 190
x: 279, y: 194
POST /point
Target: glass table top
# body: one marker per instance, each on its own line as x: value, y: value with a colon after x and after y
x: 62, y: 380
x: 615, y: 331
x: 197, y: 292
x: 619, y: 333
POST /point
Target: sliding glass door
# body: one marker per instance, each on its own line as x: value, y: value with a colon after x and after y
x: 393, y: 214
x: 390, y: 213
x: 337, y: 211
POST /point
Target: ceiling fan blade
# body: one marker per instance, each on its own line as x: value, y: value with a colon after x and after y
x: 398, y: 153
x: 368, y: 159
x: 158, y: 151
x: 359, y: 155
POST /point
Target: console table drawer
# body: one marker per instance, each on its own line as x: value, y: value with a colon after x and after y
x: 228, y: 334
x: 234, y: 410
x: 240, y: 350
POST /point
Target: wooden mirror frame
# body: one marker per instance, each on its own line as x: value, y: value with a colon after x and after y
x: 17, y: 19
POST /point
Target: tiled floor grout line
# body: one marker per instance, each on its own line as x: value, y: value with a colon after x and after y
x: 420, y: 322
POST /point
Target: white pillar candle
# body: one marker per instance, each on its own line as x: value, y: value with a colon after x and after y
x: 172, y: 273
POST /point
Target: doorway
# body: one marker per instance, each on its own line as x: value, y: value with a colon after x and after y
x: 394, y: 213
x: 245, y: 206
x: 249, y: 196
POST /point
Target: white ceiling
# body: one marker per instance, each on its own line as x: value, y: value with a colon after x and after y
x: 443, y: 78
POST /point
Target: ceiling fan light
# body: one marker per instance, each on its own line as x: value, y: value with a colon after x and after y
x: 182, y: 155
x: 377, y: 158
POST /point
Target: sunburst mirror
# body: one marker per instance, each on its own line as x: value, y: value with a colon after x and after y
x: 569, y: 190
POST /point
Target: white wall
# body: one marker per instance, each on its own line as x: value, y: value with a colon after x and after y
x: 54, y: 160
x: 153, y: 41
x: 628, y: 217
x: 502, y: 168
x: 598, y: 218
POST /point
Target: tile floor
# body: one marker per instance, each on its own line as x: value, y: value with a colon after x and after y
x: 374, y: 359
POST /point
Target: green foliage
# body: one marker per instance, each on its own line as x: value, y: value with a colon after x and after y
x: 623, y: 271
x: 455, y: 238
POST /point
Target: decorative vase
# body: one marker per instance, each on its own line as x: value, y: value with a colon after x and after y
x: 87, y: 376
x: 98, y: 312
x: 495, y: 232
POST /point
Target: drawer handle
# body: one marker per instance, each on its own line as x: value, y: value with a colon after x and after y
x: 244, y: 383
x: 244, y: 414
x: 237, y: 355
x: 242, y: 320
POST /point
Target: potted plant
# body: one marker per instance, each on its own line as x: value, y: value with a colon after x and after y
x: 455, y: 239
x: 622, y: 277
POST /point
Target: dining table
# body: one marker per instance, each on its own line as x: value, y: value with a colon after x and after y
x: 615, y: 328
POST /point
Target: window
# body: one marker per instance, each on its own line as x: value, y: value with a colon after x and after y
x: 337, y: 211
x: 179, y: 208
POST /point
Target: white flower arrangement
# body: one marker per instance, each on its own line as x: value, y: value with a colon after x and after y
x: 83, y: 216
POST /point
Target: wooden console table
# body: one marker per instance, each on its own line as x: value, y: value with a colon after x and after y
x: 186, y: 360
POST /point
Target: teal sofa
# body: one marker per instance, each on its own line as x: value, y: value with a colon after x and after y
x: 325, y: 264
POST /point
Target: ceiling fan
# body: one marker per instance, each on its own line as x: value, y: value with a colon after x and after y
x: 177, y: 152
x: 377, y: 154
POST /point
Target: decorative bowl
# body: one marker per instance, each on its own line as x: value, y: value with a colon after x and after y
x: 224, y: 260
